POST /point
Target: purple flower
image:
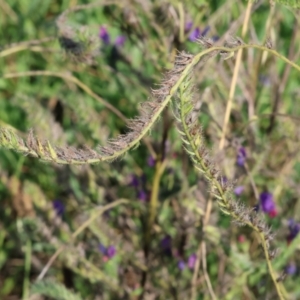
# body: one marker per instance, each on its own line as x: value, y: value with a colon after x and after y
x: 134, y: 181
x: 267, y: 204
x: 192, y: 261
x: 205, y: 30
x: 111, y: 251
x: 181, y: 265
x: 104, y: 35
x: 294, y: 229
x: 291, y: 269
x: 166, y: 245
x: 239, y: 190
x: 188, y: 26
x: 241, y: 156
x: 215, y: 38
x: 58, y: 207
x: 108, y: 252
x: 102, y: 248
x: 139, y: 184
x: 120, y: 40
x: 151, y: 161
x: 142, y: 195
x: 194, y: 35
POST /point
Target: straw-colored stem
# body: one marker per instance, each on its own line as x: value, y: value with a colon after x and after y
x: 234, y: 78
x: 70, y: 78
x: 159, y: 169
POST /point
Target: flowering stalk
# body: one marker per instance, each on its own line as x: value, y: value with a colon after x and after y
x: 177, y: 82
x: 191, y: 135
x: 140, y: 126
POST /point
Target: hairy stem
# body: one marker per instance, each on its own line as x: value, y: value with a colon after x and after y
x: 192, y: 138
x: 140, y: 126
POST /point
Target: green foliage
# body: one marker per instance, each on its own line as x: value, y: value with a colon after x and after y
x: 289, y: 3
x: 53, y: 290
x: 155, y: 222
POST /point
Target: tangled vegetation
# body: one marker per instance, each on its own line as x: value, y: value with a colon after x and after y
x: 194, y: 198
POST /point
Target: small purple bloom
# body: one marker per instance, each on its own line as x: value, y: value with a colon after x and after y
x: 58, y: 207
x: 188, y: 26
x: 166, y: 242
x: 142, y: 195
x: 166, y: 245
x: 205, y: 31
x: 181, y: 265
x: 223, y: 179
x: 194, y: 35
x: 139, y: 184
x: 239, y: 190
x: 151, y: 161
x: 192, y: 261
x: 120, y: 40
x: 102, y: 248
x: 134, y: 181
x: 215, y: 38
x: 104, y: 35
x: 267, y: 204
x: 294, y: 229
x: 291, y: 269
x: 110, y: 251
x: 241, y: 156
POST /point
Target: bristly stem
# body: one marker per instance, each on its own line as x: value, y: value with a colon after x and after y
x: 139, y: 127
x: 192, y: 137
x: 281, y: 292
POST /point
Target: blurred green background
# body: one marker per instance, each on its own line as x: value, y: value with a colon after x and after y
x: 74, y: 81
